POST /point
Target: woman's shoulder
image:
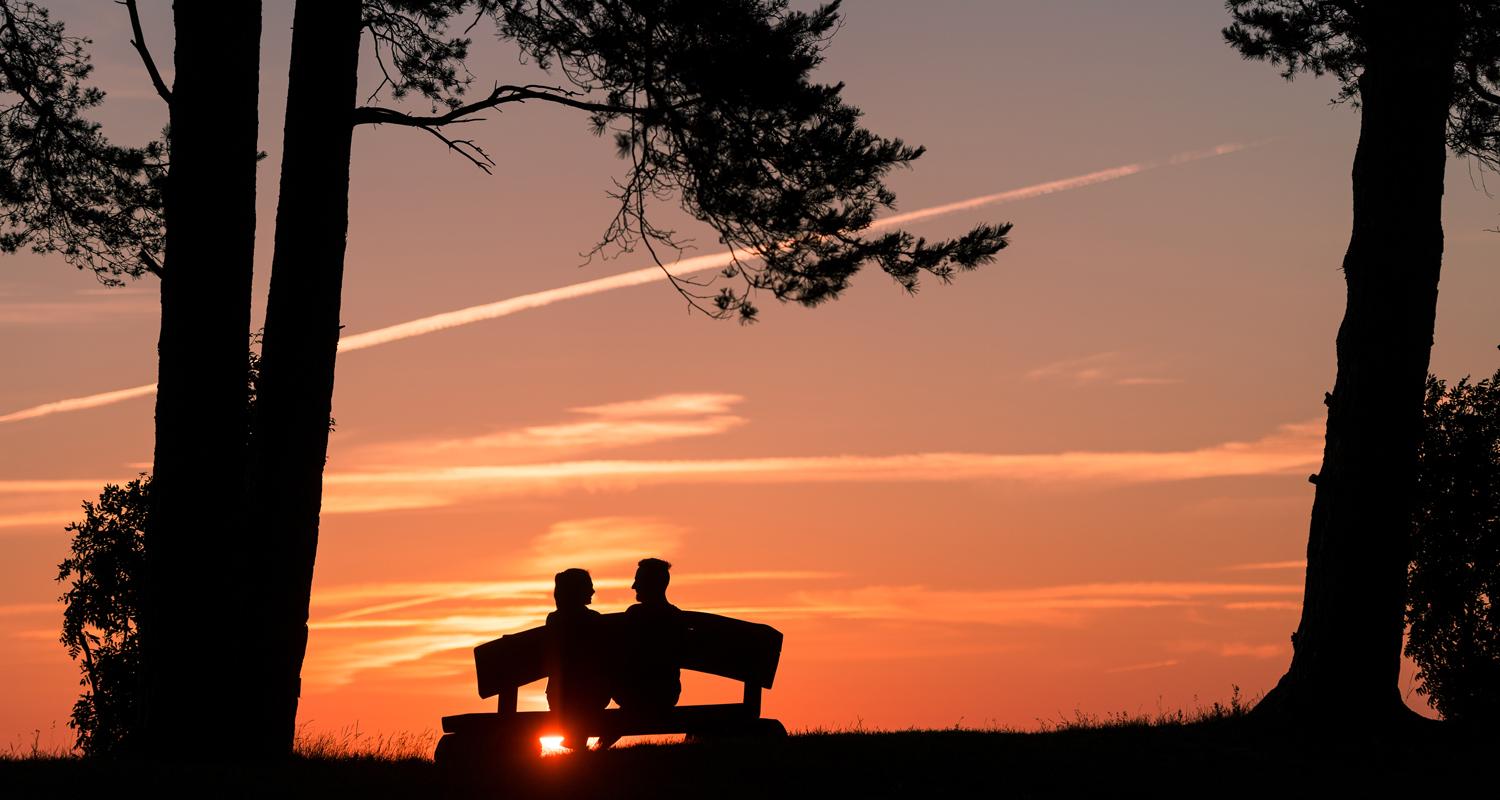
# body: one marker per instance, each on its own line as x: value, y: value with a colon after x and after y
x: 561, y: 617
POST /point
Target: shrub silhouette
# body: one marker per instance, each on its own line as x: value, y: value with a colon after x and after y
x: 102, y: 606
x: 1454, y: 575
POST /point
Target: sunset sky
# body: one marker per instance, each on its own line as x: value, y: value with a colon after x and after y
x: 1075, y: 479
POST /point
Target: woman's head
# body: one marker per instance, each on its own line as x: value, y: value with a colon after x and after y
x: 573, y: 587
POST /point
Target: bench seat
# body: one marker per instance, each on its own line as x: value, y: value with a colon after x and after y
x: 609, y: 721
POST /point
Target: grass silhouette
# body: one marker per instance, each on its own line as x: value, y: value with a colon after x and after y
x: 351, y: 744
x: 1212, y: 750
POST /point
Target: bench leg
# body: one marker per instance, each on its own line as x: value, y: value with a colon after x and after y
x: 749, y: 729
x: 477, y: 753
x: 770, y: 729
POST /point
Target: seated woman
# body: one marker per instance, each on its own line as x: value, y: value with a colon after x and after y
x: 577, y: 685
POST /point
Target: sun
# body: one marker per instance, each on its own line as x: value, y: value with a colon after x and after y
x: 553, y: 745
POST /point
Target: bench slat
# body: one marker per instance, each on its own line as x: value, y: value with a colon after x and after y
x: 541, y: 723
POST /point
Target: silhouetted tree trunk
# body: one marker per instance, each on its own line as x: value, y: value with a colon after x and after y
x: 295, y: 388
x: 195, y: 533
x: 1347, y: 647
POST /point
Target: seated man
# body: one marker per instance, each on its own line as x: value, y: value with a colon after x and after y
x: 576, y: 683
x: 648, y: 678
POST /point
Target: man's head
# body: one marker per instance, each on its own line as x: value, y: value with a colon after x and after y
x: 573, y: 588
x: 651, y: 578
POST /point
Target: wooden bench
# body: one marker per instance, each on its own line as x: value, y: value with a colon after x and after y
x: 743, y: 651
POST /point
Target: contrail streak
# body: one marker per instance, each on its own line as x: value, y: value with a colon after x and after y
x: 80, y: 403
x: 1053, y: 187
x: 511, y: 305
x: 652, y: 274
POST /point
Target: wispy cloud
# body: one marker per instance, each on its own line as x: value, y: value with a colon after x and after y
x: 1170, y: 662
x: 1064, y: 605
x: 1291, y: 449
x: 72, y: 312
x: 28, y: 507
x: 1245, y: 650
x: 604, y: 541
x: 652, y: 274
x: 363, y: 600
x: 118, y: 291
x: 1232, y: 649
x: 667, y: 405
x: 1106, y: 367
x: 378, y: 503
x: 394, y: 626
x: 1288, y: 450
x: 30, y: 609
x: 1079, y: 370
x: 1264, y: 605
x: 424, y: 629
x: 34, y: 519
x: 45, y: 486
x: 637, y: 422
x: 1258, y: 566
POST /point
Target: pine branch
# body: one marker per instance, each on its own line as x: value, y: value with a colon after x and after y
x: 139, y: 43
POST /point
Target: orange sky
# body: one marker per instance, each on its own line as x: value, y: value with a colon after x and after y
x: 1073, y: 479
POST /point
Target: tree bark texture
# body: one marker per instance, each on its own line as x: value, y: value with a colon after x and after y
x: 295, y: 390
x: 1347, y: 648
x: 195, y: 535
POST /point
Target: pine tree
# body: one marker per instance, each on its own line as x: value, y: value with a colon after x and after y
x: 1422, y: 75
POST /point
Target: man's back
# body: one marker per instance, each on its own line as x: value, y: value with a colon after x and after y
x: 649, y: 677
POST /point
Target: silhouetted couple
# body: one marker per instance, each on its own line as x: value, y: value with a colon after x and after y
x: 633, y: 660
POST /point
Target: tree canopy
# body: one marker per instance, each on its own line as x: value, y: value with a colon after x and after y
x: 1333, y: 37
x: 711, y: 103
x: 64, y: 187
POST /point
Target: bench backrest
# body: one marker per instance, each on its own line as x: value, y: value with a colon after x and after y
x: 731, y: 648
x: 513, y: 660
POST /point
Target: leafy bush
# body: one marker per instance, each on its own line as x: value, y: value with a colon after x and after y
x: 1454, y: 575
x: 102, y: 607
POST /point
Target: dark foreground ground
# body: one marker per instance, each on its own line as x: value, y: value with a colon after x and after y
x: 1191, y: 760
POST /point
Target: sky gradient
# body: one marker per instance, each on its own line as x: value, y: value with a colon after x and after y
x: 1074, y: 479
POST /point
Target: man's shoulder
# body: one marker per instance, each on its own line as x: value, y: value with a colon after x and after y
x: 653, y: 610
